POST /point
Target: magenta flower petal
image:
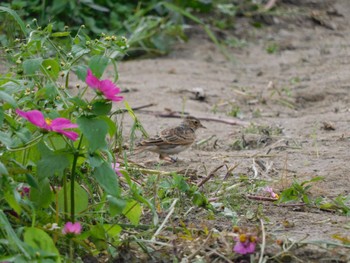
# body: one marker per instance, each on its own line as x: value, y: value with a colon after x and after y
x: 58, y: 125
x: 110, y: 90
x: 251, y: 247
x: 244, y: 248
x: 69, y: 134
x: 106, y: 87
x: 240, y: 248
x: 35, y: 117
x: 72, y: 228
x: 91, y: 80
x: 62, y: 123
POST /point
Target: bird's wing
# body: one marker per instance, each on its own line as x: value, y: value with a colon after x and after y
x: 179, y: 136
x: 172, y: 136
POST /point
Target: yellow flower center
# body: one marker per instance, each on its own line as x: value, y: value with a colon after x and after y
x: 242, y: 238
x: 252, y: 239
x: 48, y: 121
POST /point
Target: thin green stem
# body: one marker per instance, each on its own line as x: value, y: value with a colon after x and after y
x: 72, y: 181
x: 65, y: 197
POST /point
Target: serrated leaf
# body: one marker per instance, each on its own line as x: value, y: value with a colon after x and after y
x: 107, y: 179
x: 78, y: 51
x: 52, y: 163
x: 30, y: 66
x: 95, y: 131
x: 98, y: 64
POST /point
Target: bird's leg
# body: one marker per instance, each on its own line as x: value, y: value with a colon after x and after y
x: 167, y: 158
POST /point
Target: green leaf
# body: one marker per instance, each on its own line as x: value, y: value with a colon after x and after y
x: 52, y: 163
x: 39, y: 239
x: 60, y: 34
x: 32, y: 181
x: 30, y: 66
x: 180, y: 183
x: 78, y: 51
x: 12, y: 198
x: 101, y: 107
x: 199, y: 199
x: 107, y: 179
x: 51, y: 68
x: 95, y: 160
x: 2, y: 116
x: 8, y: 98
x: 97, y: 231
x: 3, y: 170
x: 81, y: 198
x: 42, y: 196
x: 8, y: 232
x: 133, y: 211
x: 112, y: 230
x: 81, y: 72
x: 47, y: 92
x: 98, y: 64
x: 5, y: 139
x: 116, y: 205
x: 112, y: 127
x: 15, y: 17
x: 95, y: 131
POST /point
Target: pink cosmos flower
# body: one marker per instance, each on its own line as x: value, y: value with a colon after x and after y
x: 271, y: 192
x: 72, y: 228
x: 116, y: 168
x: 107, y: 87
x: 58, y: 125
x: 245, y: 244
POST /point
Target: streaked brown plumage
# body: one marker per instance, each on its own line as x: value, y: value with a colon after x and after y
x: 172, y: 140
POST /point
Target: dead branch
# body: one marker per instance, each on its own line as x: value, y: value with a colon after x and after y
x: 211, y: 174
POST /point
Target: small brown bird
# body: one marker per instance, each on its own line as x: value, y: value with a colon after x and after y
x: 172, y: 140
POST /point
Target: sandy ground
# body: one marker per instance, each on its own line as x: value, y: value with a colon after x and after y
x: 301, y: 90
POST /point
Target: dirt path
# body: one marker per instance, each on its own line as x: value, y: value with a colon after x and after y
x: 290, y: 92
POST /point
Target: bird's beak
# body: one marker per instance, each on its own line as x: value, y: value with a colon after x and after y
x: 202, y: 126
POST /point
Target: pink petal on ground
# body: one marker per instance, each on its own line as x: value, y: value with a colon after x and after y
x: 91, y: 80
x: 35, y: 117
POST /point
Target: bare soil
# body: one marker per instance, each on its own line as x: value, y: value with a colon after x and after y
x: 299, y: 93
